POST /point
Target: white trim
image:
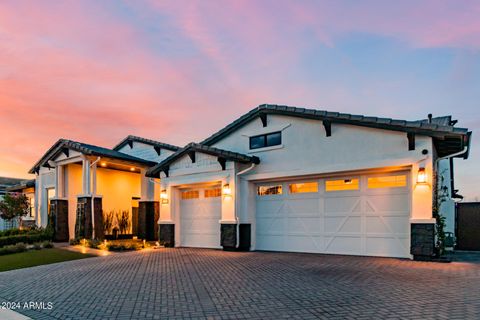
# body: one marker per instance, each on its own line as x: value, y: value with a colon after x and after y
x: 166, y: 222
x: 228, y: 221
x: 265, y: 130
x: 426, y: 221
x: 278, y: 146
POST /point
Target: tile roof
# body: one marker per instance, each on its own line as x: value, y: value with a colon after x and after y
x: 440, y: 128
x: 154, y: 143
x: 196, y: 147
x: 86, y: 149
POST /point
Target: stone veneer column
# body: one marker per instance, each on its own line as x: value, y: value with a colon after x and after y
x: 83, y: 224
x: 58, y: 219
x: 422, y: 240
x: 148, y: 214
x: 228, y: 236
x: 167, y: 235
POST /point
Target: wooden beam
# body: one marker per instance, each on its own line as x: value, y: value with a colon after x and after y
x: 157, y: 149
x: 130, y: 143
x: 327, y: 124
x: 263, y: 117
x: 222, y: 162
x: 66, y: 152
x: 411, y: 141
x: 191, y: 154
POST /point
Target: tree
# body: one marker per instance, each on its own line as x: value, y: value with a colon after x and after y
x: 14, y: 205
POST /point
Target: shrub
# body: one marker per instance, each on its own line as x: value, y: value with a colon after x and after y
x: 37, y: 235
x: 123, y: 246
x: 123, y: 218
x: 108, y: 221
x: 47, y: 244
x: 75, y: 241
x: 94, y: 244
x: 37, y: 246
x: 16, y: 248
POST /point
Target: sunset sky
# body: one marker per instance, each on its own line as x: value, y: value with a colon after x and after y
x: 177, y: 71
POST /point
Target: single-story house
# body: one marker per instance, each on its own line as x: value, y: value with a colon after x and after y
x: 278, y: 178
x: 17, y: 185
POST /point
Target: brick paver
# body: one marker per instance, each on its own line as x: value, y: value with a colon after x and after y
x: 202, y: 283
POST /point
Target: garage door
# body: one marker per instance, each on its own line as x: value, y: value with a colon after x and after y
x: 357, y: 215
x: 200, y: 213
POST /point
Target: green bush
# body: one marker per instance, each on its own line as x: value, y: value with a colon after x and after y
x: 29, y: 237
x: 123, y: 246
x: 13, y: 232
x: 16, y: 248
x: 47, y: 244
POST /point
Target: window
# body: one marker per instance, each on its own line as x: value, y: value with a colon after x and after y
x: 341, y: 185
x: 269, y: 190
x: 212, y: 193
x: 266, y: 140
x: 192, y: 194
x: 303, y: 187
x: 31, y: 201
x: 387, y: 182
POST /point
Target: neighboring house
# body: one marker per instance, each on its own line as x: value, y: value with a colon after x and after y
x: 278, y: 178
x: 5, y: 185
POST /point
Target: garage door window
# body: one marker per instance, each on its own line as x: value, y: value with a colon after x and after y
x: 387, y: 182
x: 306, y: 187
x: 269, y: 190
x: 187, y: 195
x: 341, y: 185
x: 212, y: 193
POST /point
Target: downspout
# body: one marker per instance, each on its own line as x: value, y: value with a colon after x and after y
x: 237, y: 178
x: 93, y: 210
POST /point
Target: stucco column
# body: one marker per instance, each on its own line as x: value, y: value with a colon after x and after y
x: 86, y: 190
x: 59, y: 182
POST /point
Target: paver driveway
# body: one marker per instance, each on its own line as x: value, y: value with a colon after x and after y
x: 199, y: 283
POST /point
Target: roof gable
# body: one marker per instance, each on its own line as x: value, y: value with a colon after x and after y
x: 448, y: 138
x: 62, y: 145
x: 191, y: 148
x: 157, y: 144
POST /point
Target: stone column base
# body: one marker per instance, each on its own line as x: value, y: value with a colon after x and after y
x: 228, y: 236
x: 58, y: 220
x: 148, y: 214
x: 166, y: 235
x: 422, y: 241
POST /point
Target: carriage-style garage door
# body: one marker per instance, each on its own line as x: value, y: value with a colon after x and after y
x: 357, y: 214
x: 200, y: 213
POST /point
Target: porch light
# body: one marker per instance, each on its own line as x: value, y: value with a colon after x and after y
x: 103, y: 164
x: 132, y: 169
x: 226, y: 191
x: 421, y: 176
x: 164, y: 196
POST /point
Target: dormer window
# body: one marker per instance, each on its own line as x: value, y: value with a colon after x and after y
x: 266, y: 140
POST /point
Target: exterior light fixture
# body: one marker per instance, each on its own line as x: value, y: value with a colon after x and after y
x: 164, y: 196
x: 103, y: 164
x: 347, y: 181
x: 132, y: 169
x: 226, y: 191
x: 421, y: 176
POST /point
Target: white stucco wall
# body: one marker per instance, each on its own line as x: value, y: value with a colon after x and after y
x: 306, y: 150
x: 447, y: 204
x: 44, y: 180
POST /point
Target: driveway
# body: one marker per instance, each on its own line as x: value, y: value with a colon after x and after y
x: 203, y: 283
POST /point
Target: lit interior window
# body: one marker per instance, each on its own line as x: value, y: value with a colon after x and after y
x: 212, y: 193
x: 341, y: 185
x: 269, y: 190
x: 303, y: 187
x: 192, y: 194
x: 387, y: 182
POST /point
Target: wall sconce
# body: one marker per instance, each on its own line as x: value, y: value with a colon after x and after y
x: 421, y: 176
x: 164, y: 196
x: 226, y: 191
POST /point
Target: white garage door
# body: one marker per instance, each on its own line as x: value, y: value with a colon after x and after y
x: 200, y: 213
x: 358, y: 215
